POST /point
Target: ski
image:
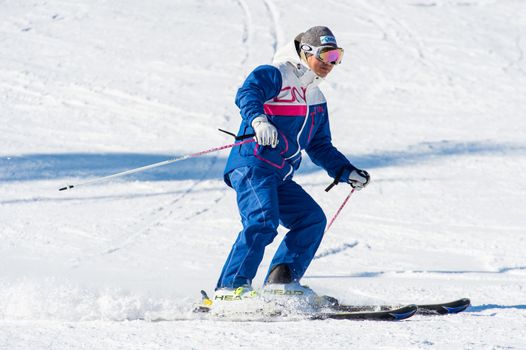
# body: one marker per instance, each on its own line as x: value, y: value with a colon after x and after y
x: 388, y: 314
x: 451, y: 307
x: 398, y: 314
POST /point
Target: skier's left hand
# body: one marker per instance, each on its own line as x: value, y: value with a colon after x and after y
x: 357, y: 178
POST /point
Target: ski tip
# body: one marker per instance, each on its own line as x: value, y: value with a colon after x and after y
x: 403, y: 312
x: 452, y: 307
x: 458, y: 306
x: 464, y: 301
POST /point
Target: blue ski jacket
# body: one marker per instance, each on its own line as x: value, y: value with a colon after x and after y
x: 287, y: 93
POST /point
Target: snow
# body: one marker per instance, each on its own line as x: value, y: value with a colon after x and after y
x: 430, y: 99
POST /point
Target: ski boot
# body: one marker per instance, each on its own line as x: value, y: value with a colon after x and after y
x: 281, y: 287
x: 234, y: 294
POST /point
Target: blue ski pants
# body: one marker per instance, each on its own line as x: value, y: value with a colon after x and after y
x: 265, y: 201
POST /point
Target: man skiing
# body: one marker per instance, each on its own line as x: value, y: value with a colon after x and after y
x: 282, y: 105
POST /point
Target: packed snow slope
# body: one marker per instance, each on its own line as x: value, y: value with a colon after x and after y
x: 430, y: 99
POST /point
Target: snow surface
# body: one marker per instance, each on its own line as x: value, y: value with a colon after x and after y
x: 430, y: 99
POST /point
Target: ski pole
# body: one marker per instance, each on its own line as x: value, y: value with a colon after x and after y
x: 155, y: 165
x: 339, y: 210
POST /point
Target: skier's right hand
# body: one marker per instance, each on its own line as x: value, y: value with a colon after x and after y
x: 266, y: 133
x: 357, y: 178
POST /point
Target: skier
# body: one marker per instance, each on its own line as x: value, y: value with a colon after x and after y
x: 282, y: 105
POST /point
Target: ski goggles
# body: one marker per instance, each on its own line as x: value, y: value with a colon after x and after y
x: 326, y: 54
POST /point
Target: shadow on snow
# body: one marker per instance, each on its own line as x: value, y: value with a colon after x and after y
x: 85, y: 165
x: 480, y: 308
x: 396, y: 272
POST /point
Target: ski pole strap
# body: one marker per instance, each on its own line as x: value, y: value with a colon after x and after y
x: 336, y: 180
x: 238, y: 138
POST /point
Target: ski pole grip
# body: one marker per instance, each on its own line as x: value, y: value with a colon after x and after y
x: 238, y: 138
x: 336, y: 180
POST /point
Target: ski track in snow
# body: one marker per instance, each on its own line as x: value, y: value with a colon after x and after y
x: 429, y: 99
x: 254, y: 33
x: 247, y: 29
x: 331, y: 251
x: 154, y: 218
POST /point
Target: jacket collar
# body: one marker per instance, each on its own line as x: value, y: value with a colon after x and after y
x: 289, y: 55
